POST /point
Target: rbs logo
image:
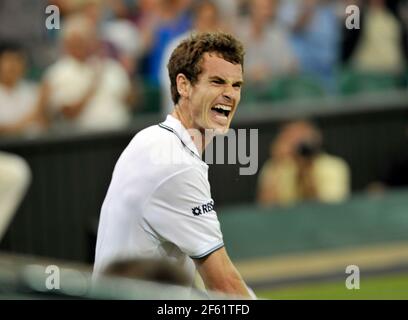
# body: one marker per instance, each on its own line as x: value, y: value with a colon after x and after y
x: 205, y: 208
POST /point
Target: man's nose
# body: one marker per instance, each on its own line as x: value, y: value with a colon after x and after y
x: 228, y: 93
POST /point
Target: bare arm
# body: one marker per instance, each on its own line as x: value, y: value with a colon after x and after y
x: 219, y: 274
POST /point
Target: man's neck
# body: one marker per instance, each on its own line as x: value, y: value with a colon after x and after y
x: 200, y: 138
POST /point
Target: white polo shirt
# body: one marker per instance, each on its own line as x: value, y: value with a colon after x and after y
x: 159, y: 202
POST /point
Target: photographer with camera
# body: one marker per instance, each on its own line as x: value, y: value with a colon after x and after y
x: 299, y: 170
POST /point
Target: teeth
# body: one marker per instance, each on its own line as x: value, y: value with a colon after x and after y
x: 223, y: 107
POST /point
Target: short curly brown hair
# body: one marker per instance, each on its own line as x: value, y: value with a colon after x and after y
x: 186, y: 58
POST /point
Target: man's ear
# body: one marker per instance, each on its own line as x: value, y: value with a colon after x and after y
x: 183, y: 85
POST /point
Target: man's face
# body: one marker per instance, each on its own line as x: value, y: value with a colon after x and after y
x: 213, y: 100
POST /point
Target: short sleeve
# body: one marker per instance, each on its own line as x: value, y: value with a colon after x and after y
x: 181, y: 211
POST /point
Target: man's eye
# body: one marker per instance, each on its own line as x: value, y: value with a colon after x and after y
x: 217, y: 81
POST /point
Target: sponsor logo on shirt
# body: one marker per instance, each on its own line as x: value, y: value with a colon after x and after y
x: 205, y: 208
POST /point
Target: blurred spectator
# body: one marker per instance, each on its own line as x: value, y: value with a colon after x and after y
x: 206, y: 18
x: 113, y: 19
x: 125, y: 42
x: 175, y: 19
x: 229, y: 11
x: 15, y: 176
x: 19, y: 99
x: 23, y: 21
x: 268, y: 52
x: 316, y: 31
x: 160, y: 271
x: 92, y: 9
x: 299, y: 170
x: 146, y: 19
x: 381, y: 43
x: 86, y: 90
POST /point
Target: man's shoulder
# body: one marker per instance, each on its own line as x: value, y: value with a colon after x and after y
x: 153, y: 136
x: 152, y: 159
x: 160, y: 149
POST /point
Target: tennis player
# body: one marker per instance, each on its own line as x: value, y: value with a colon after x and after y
x: 159, y: 201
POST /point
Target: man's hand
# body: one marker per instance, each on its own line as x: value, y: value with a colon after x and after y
x: 219, y: 274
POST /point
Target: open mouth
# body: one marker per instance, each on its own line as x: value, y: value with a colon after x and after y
x: 222, y: 109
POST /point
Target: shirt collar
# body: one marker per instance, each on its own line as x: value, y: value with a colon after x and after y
x: 174, y: 125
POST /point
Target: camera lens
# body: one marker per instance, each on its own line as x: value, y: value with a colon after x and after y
x: 307, y: 149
